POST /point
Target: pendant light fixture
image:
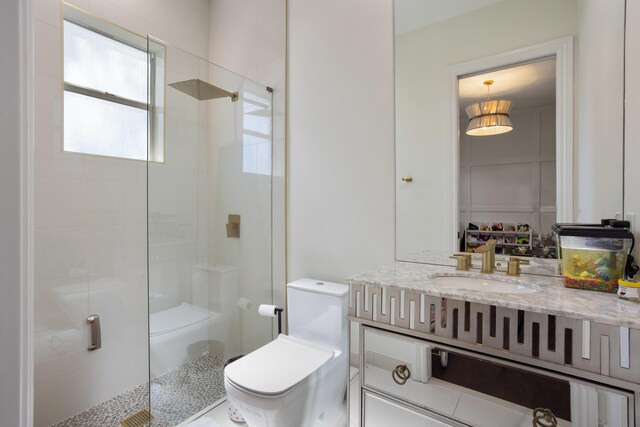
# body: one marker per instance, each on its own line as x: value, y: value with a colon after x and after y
x: 490, y: 117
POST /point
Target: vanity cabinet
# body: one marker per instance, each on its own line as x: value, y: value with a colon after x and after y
x: 384, y: 412
x: 458, y: 357
x: 409, y: 381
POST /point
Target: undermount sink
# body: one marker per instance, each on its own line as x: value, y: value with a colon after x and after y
x: 489, y: 284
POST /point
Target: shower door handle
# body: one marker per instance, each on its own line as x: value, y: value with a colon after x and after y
x: 96, y: 339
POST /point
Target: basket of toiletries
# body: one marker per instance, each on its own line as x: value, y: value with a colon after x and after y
x: 593, y: 258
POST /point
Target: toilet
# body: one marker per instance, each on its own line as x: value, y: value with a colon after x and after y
x: 297, y: 379
x: 186, y: 331
x: 180, y: 334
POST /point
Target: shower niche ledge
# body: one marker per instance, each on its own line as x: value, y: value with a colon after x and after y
x: 420, y: 341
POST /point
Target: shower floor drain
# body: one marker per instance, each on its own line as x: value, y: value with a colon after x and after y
x: 137, y: 419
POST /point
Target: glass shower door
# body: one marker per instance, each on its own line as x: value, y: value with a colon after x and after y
x: 90, y: 264
x: 209, y: 232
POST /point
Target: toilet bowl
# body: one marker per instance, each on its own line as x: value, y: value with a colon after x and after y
x: 180, y: 334
x: 299, y: 379
x: 204, y: 325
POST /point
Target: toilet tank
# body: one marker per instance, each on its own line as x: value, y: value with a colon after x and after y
x: 215, y: 287
x: 317, y: 312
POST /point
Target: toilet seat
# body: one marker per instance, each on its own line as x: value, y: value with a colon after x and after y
x: 277, y: 367
x: 179, y: 317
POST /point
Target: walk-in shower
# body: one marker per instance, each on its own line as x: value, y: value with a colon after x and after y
x: 143, y: 244
x: 204, y: 286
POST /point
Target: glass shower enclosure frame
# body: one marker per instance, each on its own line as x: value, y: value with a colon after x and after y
x: 209, y: 228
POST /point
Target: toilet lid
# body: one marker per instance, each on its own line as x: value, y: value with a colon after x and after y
x: 278, y: 366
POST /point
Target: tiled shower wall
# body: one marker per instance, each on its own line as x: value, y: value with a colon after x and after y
x: 249, y: 38
x: 90, y: 226
x: 176, y: 200
x: 91, y: 211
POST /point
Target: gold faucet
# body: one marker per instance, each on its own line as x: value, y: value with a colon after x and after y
x: 464, y: 261
x: 488, y: 252
x: 513, y: 266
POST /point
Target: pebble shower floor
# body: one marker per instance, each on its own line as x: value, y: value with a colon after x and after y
x: 175, y: 396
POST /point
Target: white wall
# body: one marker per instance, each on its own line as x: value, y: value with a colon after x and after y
x: 90, y: 225
x: 14, y: 389
x: 340, y: 140
x: 598, y: 151
x: 632, y: 124
x: 511, y: 178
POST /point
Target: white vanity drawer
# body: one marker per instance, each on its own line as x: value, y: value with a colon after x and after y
x: 384, y: 352
x: 380, y: 412
x: 480, y: 390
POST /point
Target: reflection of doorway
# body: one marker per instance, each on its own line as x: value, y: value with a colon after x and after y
x: 509, y: 180
x: 561, y: 51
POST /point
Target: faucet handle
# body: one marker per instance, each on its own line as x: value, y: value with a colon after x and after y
x: 467, y: 256
x: 464, y: 261
x: 513, y: 266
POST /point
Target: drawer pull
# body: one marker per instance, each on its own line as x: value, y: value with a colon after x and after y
x: 544, y: 418
x: 401, y: 374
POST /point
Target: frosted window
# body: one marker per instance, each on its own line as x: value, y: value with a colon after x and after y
x: 95, y: 61
x: 94, y: 126
x: 256, y: 157
x: 257, y: 118
x: 256, y: 138
x: 107, y: 71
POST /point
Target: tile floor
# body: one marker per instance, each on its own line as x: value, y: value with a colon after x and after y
x: 218, y: 415
x: 178, y: 394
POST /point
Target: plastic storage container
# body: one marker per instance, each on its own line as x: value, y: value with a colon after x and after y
x: 629, y: 290
x: 593, y: 258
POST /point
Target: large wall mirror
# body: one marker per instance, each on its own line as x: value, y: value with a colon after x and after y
x: 509, y: 118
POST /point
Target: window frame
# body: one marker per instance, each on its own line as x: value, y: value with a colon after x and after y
x: 155, y: 135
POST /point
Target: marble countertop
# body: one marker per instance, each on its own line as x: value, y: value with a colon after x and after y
x: 551, y: 297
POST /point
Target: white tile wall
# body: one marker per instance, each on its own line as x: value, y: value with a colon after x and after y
x: 175, y: 198
x: 249, y: 38
x: 248, y: 195
x: 91, y: 211
x: 90, y: 219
